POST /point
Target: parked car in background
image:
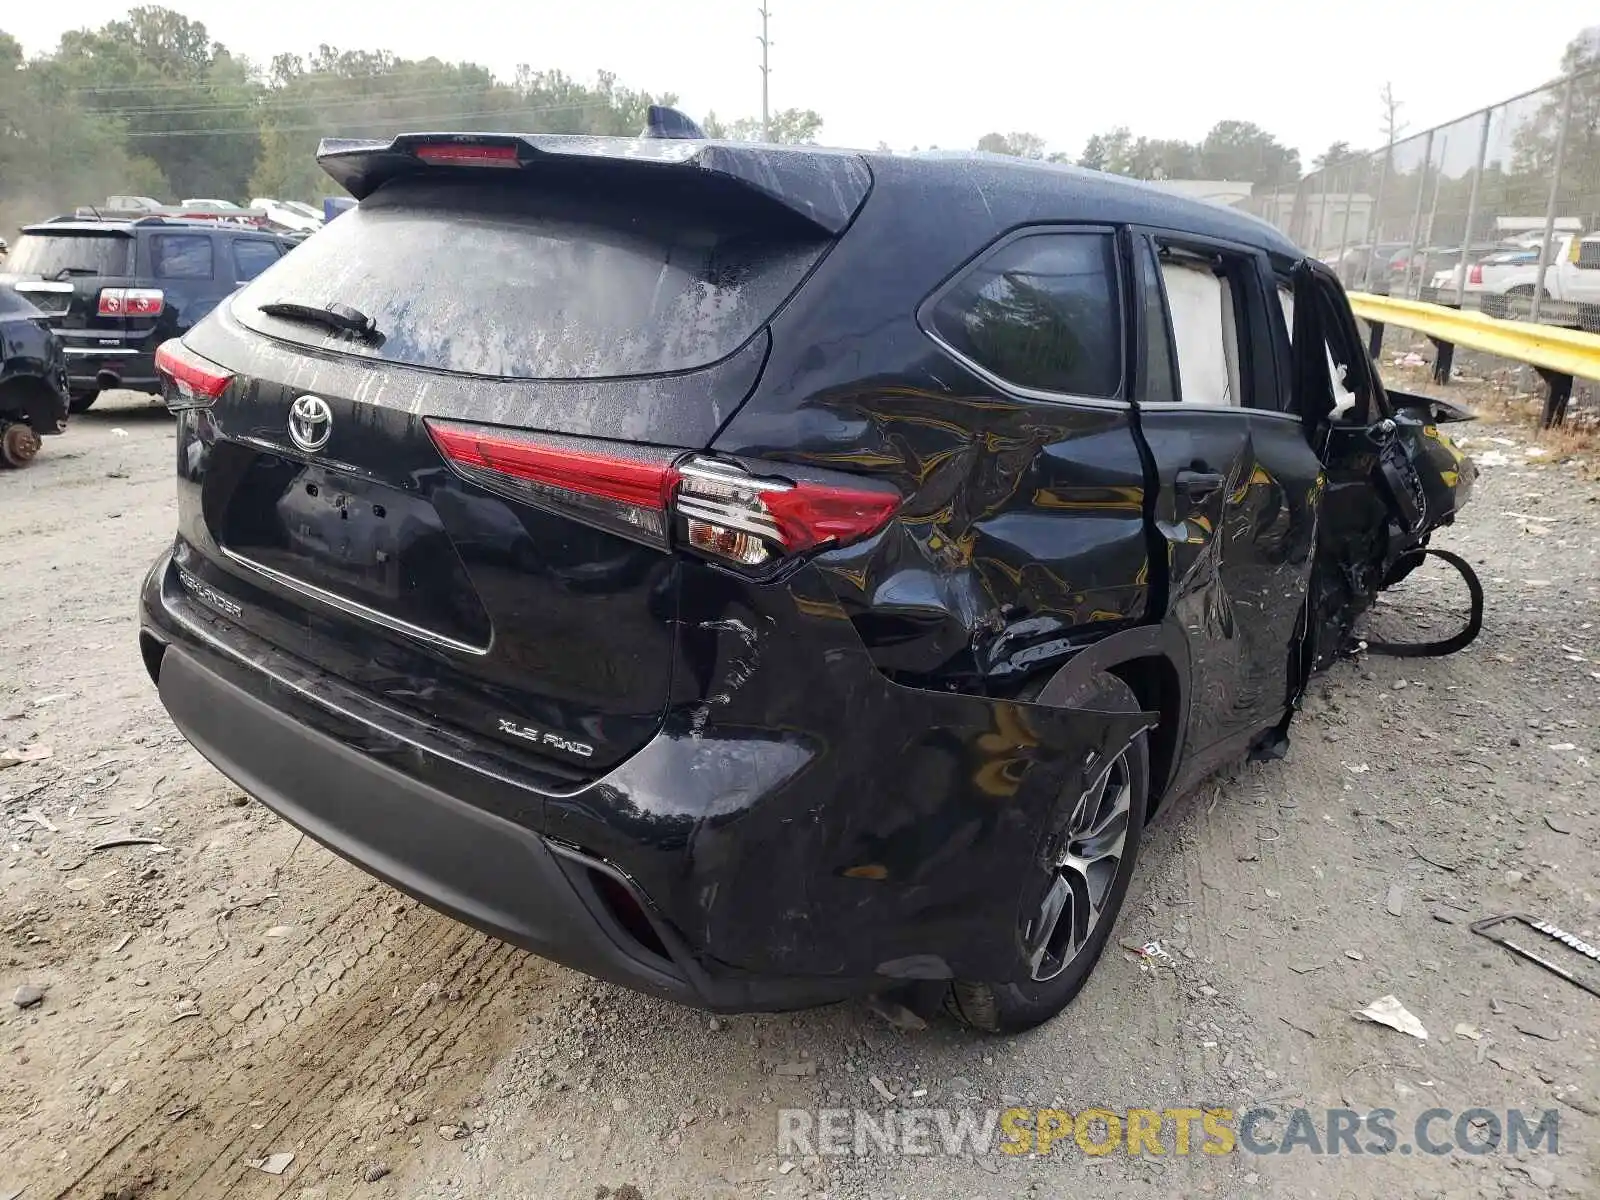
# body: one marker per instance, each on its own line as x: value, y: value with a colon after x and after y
x: 288, y: 215
x: 203, y: 202
x: 33, y: 380
x: 1351, y: 266
x: 315, y: 212
x: 114, y: 290
x: 761, y: 575
x: 1483, y: 275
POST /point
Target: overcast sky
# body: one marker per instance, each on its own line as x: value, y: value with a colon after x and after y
x: 943, y: 73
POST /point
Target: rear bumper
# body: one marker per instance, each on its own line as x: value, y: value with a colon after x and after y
x: 479, y: 867
x: 87, y: 367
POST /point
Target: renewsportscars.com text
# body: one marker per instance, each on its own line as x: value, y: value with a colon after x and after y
x: 1181, y: 1132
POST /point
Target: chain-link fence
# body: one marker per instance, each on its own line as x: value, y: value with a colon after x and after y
x: 1498, y: 211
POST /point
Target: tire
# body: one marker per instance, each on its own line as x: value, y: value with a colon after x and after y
x: 1007, y: 1008
x: 81, y: 402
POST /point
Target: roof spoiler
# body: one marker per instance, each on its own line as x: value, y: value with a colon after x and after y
x: 823, y: 187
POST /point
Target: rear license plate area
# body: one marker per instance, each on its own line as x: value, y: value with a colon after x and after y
x: 356, y: 538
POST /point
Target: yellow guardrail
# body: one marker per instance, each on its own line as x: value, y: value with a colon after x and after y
x: 1565, y: 351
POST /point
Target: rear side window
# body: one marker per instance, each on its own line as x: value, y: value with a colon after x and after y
x: 182, y: 256
x: 251, y: 256
x: 517, y: 281
x: 1040, y: 313
x: 67, y: 254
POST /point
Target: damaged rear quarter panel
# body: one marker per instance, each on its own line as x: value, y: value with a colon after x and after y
x: 840, y: 823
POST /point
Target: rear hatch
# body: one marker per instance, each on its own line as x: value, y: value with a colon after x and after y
x: 62, y: 268
x: 450, y: 487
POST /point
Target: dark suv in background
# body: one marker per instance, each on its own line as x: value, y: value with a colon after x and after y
x: 115, y: 290
x: 759, y: 575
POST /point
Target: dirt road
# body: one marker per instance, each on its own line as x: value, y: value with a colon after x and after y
x: 219, y: 991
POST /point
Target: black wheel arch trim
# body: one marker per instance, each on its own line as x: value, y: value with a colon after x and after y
x: 1163, y: 642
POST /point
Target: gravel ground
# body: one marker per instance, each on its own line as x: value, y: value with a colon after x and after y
x: 232, y: 992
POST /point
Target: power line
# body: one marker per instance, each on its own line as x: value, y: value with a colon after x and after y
x: 268, y: 100
x: 266, y: 104
x: 324, y: 127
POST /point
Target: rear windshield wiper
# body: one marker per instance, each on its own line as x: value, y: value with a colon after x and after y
x: 340, y: 318
x: 65, y: 271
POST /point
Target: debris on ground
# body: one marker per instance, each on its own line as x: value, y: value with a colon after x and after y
x: 897, y: 1015
x: 1396, y: 900
x: 27, y: 995
x: 17, y: 755
x: 273, y: 1164
x: 1387, y: 1010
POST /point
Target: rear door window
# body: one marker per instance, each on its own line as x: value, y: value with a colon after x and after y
x: 251, y: 256
x: 182, y: 256
x: 1040, y: 313
x: 1205, y: 330
x: 103, y: 255
x: 515, y: 281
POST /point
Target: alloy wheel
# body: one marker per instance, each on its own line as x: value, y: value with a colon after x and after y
x: 1082, y: 859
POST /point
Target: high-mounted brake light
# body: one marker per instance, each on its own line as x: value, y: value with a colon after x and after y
x: 713, y: 507
x: 131, y: 302
x: 192, y: 381
x: 454, y: 154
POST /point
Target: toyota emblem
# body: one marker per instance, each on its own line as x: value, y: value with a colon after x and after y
x: 310, y: 422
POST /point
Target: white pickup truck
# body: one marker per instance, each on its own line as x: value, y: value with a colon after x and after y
x: 1573, y: 275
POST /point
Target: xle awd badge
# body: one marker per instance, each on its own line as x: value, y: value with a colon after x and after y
x: 529, y: 734
x: 310, y: 423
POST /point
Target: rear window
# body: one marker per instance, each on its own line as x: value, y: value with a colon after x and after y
x: 49, y: 254
x: 507, y: 281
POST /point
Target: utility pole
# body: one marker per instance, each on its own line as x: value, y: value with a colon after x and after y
x: 766, y: 44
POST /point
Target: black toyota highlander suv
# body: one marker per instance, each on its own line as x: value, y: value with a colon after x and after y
x: 761, y: 575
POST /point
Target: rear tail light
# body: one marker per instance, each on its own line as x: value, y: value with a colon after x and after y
x: 453, y: 154
x: 730, y: 514
x: 1475, y: 273
x: 192, y: 381
x: 622, y: 489
x: 131, y: 302
x: 664, y: 498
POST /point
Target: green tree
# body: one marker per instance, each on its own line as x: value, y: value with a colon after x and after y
x: 180, y: 99
x: 1016, y: 144
x: 1241, y: 151
x: 54, y: 154
x: 787, y: 126
x: 1336, y: 155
